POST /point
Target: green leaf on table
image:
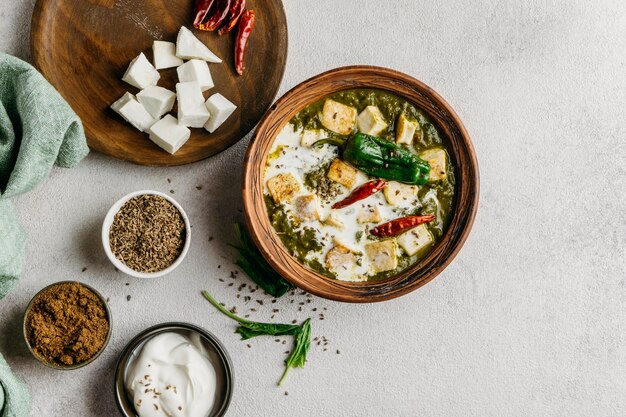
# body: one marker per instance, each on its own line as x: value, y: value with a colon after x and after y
x: 297, y: 357
x: 256, y: 267
x: 248, y: 329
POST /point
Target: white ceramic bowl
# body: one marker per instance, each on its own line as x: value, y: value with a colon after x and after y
x: 108, y: 221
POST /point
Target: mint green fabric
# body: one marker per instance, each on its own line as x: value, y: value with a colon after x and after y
x: 38, y: 129
x: 14, y: 397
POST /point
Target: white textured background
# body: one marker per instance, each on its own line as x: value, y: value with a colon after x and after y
x: 530, y: 319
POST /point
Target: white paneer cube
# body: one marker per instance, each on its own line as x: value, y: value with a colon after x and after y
x: 414, y: 240
x: 383, y: 255
x: 405, y: 130
x: 220, y: 109
x: 121, y: 101
x: 338, y: 117
x: 141, y: 73
x: 165, y: 55
x: 190, y: 47
x: 341, y: 261
x: 342, y: 173
x: 133, y: 112
x: 333, y: 221
x: 371, y: 121
x: 310, y: 136
x: 369, y: 214
x: 307, y: 207
x: 283, y: 187
x: 196, y: 70
x: 157, y: 100
x: 436, y: 158
x: 398, y: 194
x: 191, y: 109
x: 169, y: 134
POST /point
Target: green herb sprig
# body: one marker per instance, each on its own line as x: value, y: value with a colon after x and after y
x: 249, y: 329
x: 297, y: 357
x: 256, y: 267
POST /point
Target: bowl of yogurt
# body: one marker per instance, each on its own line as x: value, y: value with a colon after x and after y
x: 174, y: 370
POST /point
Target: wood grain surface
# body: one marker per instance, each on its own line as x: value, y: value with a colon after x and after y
x: 83, y: 48
x: 459, y: 147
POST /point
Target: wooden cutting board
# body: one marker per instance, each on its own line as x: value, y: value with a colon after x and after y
x: 83, y: 48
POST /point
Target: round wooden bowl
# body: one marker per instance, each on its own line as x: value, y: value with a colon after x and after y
x: 459, y: 147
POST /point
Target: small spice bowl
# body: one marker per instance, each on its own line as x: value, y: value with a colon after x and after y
x: 108, y: 222
x: 53, y: 365
x: 218, y: 355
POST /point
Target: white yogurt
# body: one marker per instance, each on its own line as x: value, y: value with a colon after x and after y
x: 172, y: 377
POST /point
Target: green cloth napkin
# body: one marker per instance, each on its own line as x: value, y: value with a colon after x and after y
x: 14, y: 397
x: 37, y: 130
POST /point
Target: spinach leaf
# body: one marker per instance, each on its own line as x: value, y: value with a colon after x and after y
x: 256, y: 267
x: 297, y: 357
x: 248, y: 329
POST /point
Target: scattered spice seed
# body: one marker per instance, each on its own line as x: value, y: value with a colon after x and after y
x: 128, y: 298
x: 286, y: 393
x: 169, y: 181
x: 210, y: 238
x: 198, y: 187
x: 249, y: 345
x: 84, y: 269
x: 337, y: 351
x: 294, y: 321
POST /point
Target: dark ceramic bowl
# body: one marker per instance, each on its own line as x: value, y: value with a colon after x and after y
x: 223, y: 369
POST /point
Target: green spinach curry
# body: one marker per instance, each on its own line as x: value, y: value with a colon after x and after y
x: 359, y: 185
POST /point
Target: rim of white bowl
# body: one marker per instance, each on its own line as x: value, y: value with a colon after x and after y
x: 108, y: 221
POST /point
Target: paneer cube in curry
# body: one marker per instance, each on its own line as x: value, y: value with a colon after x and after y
x: 436, y: 158
x: 405, y: 130
x: 283, y: 187
x: 342, y: 173
x: 338, y: 117
x: 414, y: 240
x: 371, y: 121
x: 383, y: 255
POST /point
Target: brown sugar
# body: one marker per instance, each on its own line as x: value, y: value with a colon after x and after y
x: 67, y: 324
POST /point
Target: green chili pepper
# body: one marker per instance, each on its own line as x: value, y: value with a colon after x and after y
x: 381, y: 158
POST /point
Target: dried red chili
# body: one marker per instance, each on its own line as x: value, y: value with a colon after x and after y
x: 216, y: 19
x: 398, y: 226
x: 361, y: 193
x: 201, y: 12
x: 246, y: 24
x: 236, y: 9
